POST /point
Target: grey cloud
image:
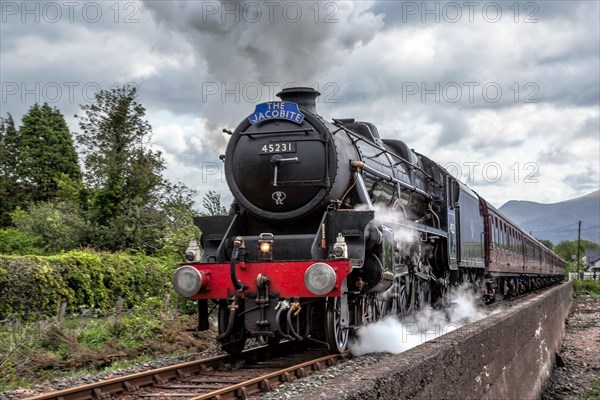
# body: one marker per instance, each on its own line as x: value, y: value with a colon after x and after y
x: 263, y: 50
x: 590, y: 128
x: 555, y: 57
x: 406, y: 13
x: 584, y: 181
x: 489, y: 146
x: 454, y: 127
x: 556, y: 155
x: 369, y: 55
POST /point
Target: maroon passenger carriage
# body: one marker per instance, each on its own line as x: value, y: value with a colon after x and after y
x: 333, y: 227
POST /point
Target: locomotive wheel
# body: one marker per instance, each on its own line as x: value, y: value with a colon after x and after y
x: 336, y: 323
x: 235, y: 342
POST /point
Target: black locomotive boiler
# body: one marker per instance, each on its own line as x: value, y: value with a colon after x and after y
x: 333, y: 227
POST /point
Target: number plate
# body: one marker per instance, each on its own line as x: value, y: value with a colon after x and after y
x: 282, y: 147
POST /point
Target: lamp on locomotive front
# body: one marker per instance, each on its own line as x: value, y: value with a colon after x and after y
x: 265, y: 243
x: 192, y: 253
x: 340, y: 248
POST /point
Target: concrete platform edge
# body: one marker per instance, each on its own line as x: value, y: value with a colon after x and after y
x: 508, y: 355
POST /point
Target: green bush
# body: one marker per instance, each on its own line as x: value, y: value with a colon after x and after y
x: 591, y: 287
x: 59, y: 224
x: 33, y: 286
x: 15, y: 241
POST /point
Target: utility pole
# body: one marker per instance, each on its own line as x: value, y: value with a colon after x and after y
x: 578, y: 243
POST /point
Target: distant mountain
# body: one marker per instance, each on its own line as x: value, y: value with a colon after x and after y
x: 558, y: 221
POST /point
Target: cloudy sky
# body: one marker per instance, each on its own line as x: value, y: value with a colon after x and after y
x: 506, y: 95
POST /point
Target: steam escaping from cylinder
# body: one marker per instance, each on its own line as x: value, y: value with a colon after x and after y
x: 387, y: 217
x: 393, y: 336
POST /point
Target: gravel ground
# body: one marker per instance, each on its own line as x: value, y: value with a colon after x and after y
x: 319, y: 379
x: 580, y: 355
x: 69, y: 382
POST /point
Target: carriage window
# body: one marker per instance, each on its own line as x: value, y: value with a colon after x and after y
x: 500, y: 234
x: 513, y: 239
x: 520, y: 243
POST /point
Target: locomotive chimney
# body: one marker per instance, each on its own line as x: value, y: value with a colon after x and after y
x: 305, y: 97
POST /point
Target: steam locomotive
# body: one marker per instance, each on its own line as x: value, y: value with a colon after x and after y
x: 333, y: 228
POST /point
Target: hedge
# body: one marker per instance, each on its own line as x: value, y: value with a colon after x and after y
x: 31, y: 286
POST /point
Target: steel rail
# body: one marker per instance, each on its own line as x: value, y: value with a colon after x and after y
x: 129, y: 383
x: 265, y: 383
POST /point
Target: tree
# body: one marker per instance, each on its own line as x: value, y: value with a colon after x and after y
x: 179, y: 226
x: 44, y: 151
x: 34, y: 158
x: 546, y: 243
x: 212, y: 203
x: 8, y: 161
x: 121, y: 171
x: 568, y: 248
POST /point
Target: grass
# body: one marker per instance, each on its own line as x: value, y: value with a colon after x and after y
x: 32, y: 353
x: 587, y: 287
x: 594, y: 392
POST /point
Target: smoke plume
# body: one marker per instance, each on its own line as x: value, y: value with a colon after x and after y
x: 266, y: 41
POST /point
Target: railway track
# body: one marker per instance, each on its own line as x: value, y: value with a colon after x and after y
x: 255, y: 371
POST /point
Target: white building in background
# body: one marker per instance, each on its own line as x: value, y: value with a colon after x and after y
x: 592, y: 260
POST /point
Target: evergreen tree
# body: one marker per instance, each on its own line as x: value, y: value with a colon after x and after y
x: 123, y: 173
x: 11, y: 193
x: 9, y: 189
x: 44, y: 151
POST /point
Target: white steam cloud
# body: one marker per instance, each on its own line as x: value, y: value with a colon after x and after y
x: 393, y: 336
